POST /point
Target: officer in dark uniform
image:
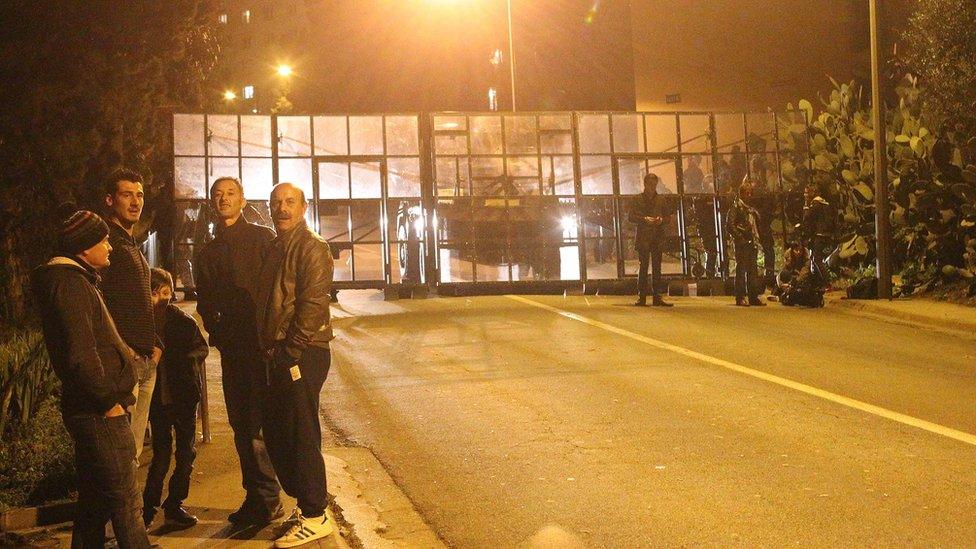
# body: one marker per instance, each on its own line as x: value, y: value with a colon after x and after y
x: 817, y: 225
x: 742, y: 224
x: 652, y: 214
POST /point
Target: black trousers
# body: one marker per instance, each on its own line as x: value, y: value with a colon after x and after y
x: 650, y: 255
x: 167, y: 421
x: 245, y: 389
x: 747, y: 271
x: 292, y: 430
x: 105, y: 455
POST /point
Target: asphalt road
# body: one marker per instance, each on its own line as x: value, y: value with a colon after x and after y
x: 706, y: 424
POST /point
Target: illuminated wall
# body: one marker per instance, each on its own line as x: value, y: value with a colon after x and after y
x: 747, y: 54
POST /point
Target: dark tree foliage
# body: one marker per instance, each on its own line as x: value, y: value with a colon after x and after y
x: 940, y: 45
x: 88, y: 86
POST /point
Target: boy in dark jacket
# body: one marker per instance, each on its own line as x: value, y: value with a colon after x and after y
x: 97, y: 373
x: 174, y: 404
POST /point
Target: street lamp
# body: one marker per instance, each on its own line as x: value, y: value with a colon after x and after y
x: 511, y: 51
x: 284, y: 71
x: 229, y: 95
x: 882, y: 224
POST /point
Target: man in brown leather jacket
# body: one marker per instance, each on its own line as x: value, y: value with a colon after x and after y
x: 294, y: 331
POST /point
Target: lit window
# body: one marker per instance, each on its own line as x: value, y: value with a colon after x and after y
x: 222, y: 19
x: 248, y: 92
x: 247, y: 16
x: 492, y: 99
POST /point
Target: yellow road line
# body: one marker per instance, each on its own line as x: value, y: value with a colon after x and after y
x: 961, y: 436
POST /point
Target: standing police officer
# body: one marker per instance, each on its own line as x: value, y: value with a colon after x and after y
x: 742, y: 225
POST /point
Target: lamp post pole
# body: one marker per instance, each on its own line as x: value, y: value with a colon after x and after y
x: 511, y: 52
x: 881, y: 204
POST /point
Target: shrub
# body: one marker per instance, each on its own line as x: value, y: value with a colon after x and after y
x: 37, y: 464
x: 931, y: 181
x: 26, y: 379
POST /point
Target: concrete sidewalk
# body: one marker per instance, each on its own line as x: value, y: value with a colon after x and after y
x: 919, y: 311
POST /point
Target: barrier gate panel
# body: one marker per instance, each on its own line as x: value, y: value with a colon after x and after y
x: 506, y: 204
x: 492, y: 197
x: 349, y: 197
x: 630, y: 172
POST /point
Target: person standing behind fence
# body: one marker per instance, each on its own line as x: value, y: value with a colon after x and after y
x: 125, y: 284
x: 295, y: 330
x: 742, y: 225
x: 694, y: 182
x: 651, y: 214
x: 817, y: 225
x: 226, y: 274
x: 97, y: 373
x: 174, y: 405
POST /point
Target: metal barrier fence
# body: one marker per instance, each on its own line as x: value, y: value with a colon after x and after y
x: 468, y: 199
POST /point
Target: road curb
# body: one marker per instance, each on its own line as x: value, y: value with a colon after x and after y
x: 24, y: 518
x: 379, y: 514
x: 877, y: 309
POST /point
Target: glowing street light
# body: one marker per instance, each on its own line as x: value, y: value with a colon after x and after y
x: 284, y: 71
x: 229, y: 95
x: 496, y: 56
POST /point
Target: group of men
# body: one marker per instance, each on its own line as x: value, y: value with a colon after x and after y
x: 748, y: 223
x: 264, y: 297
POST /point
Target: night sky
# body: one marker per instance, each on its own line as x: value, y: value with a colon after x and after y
x: 425, y: 55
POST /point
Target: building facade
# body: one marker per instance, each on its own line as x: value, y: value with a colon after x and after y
x: 751, y: 54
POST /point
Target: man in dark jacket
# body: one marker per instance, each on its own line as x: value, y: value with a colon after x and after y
x: 226, y: 275
x: 817, y: 225
x: 742, y: 225
x: 652, y: 214
x: 97, y: 378
x: 295, y: 330
x: 125, y: 284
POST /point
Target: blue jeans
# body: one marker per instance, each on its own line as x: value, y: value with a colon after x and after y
x: 104, y: 457
x: 143, y: 392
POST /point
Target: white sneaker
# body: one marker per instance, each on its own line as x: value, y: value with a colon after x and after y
x: 304, y: 530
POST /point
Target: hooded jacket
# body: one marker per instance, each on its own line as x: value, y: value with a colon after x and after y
x: 93, y: 363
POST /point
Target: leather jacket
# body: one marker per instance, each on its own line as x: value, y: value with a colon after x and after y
x: 294, y: 294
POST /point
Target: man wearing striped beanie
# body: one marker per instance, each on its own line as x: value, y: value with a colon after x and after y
x: 97, y: 378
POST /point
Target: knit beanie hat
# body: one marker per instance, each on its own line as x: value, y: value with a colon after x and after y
x: 80, y: 230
